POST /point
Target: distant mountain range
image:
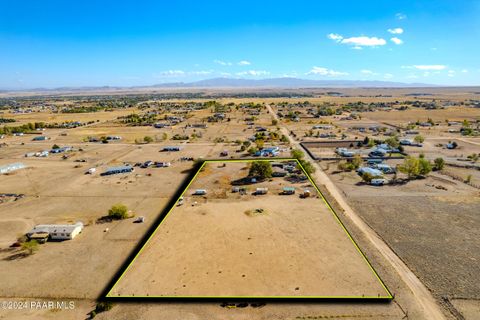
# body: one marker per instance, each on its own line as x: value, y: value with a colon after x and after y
x: 293, y: 83
x: 287, y: 83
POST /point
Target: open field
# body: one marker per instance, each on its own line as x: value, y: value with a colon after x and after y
x: 213, y: 247
x: 431, y: 224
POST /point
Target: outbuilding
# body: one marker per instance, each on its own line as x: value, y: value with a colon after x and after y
x: 56, y: 231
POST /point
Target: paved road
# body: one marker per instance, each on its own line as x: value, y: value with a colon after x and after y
x: 426, y: 301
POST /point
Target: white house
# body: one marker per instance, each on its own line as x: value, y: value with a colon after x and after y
x: 57, y: 231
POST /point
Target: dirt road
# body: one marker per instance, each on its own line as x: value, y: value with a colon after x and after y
x: 425, y: 299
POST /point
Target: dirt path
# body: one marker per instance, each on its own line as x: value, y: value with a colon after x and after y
x: 425, y: 299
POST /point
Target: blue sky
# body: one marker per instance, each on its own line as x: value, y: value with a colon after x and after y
x: 96, y: 43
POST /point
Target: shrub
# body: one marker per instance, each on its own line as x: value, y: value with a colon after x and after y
x: 147, y: 139
x: 30, y: 246
x: 419, y: 139
x: 439, y: 163
x: 118, y: 212
x: 297, y: 154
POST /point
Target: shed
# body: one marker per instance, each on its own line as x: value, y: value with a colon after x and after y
x: 288, y: 190
x: 261, y: 191
x: 200, y: 192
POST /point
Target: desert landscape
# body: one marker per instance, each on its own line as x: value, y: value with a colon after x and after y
x: 419, y: 224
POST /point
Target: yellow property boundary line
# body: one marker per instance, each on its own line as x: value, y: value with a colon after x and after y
x: 387, y: 297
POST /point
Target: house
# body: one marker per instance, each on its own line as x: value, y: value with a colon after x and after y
x: 385, y: 168
x: 268, y: 152
x: 378, y: 153
x: 116, y: 170
x: 373, y: 172
x: 288, y: 190
x: 344, y: 152
x: 55, y: 231
x: 40, y: 138
x: 161, y: 125
x: 323, y: 126
x: 11, y: 167
x: 60, y: 150
x: 162, y: 164
x: 171, y: 149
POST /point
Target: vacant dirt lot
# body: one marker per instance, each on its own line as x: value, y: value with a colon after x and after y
x: 213, y: 246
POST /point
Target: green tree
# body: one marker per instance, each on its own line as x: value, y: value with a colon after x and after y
x: 439, y: 163
x: 252, y: 150
x: 410, y: 167
x: 367, y: 177
x: 259, y: 143
x: 147, y: 139
x: 307, y: 166
x: 297, y: 154
x: 419, y: 139
x: 30, y: 246
x: 118, y: 212
x: 274, y: 122
x: 261, y: 169
x: 357, y: 161
x: 393, y: 142
x: 425, y: 167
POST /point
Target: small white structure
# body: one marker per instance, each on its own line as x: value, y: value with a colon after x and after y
x: 11, y: 167
x: 261, y: 191
x: 57, y: 231
x: 378, y: 182
x: 200, y: 192
x: 91, y: 171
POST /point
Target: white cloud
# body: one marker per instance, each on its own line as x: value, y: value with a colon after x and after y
x: 451, y: 73
x: 325, y: 72
x: 367, y: 72
x: 430, y: 67
x: 201, y: 73
x: 395, y: 31
x: 170, y: 73
x: 388, y: 76
x: 464, y: 71
x: 334, y: 36
x: 253, y: 73
x: 181, y: 73
x: 396, y: 40
x: 400, y: 16
x: 222, y: 63
x: 358, y: 42
x: 365, y: 41
x: 225, y: 74
x: 244, y: 63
